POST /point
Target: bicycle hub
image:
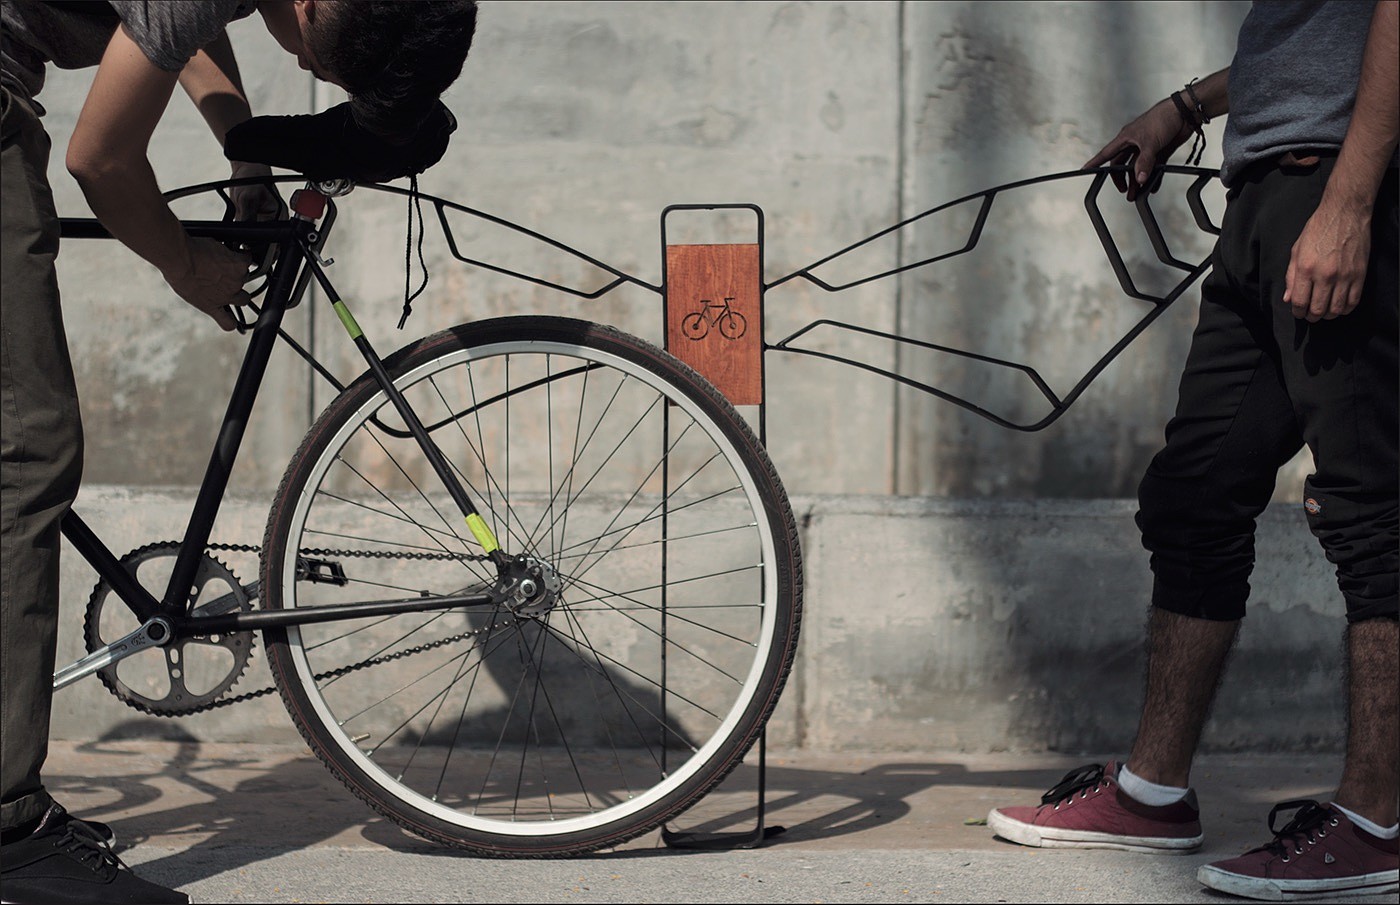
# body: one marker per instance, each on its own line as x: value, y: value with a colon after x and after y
x: 530, y: 586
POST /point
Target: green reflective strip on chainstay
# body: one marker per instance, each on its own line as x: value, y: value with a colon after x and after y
x: 482, y: 533
x: 348, y: 320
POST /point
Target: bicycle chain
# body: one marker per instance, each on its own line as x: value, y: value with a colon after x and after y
x: 352, y: 554
x: 363, y: 664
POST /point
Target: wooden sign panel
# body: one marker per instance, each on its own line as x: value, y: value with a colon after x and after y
x: 714, y: 316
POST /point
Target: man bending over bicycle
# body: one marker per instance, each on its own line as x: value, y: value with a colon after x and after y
x: 394, y: 59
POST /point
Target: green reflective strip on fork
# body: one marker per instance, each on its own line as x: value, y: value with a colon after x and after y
x: 482, y: 533
x: 348, y: 320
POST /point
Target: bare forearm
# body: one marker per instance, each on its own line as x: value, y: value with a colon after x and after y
x: 107, y: 154
x: 126, y: 198
x: 1328, y: 264
x: 212, y: 81
x: 1213, y: 91
x: 1371, y: 137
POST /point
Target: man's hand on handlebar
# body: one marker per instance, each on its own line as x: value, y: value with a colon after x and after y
x: 213, y: 280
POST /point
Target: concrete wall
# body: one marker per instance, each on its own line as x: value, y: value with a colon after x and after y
x: 928, y: 624
x: 584, y: 120
x: 1013, y: 621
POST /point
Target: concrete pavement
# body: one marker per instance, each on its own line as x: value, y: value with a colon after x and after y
x: 246, y: 823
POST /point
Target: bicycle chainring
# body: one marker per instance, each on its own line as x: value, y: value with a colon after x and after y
x: 189, y: 674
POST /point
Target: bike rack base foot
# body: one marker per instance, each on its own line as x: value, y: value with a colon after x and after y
x: 721, y: 841
x: 695, y: 841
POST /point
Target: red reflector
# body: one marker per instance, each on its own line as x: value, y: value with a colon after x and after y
x: 308, y: 204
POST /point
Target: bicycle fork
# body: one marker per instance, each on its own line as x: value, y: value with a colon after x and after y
x: 475, y: 523
x: 523, y: 583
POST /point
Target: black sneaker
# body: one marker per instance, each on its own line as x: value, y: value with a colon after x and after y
x: 63, y: 862
x: 99, y: 831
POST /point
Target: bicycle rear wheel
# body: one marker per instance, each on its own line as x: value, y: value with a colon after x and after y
x: 674, y: 626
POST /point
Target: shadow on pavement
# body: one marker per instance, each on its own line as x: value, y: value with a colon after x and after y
x: 222, y: 807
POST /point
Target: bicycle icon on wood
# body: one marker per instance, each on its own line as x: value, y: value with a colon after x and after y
x: 731, y: 323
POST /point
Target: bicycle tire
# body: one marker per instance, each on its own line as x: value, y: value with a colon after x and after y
x: 651, y: 677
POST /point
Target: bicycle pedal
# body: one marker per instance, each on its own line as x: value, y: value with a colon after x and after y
x: 321, y: 571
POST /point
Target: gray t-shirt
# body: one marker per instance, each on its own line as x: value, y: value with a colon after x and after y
x: 1293, y: 80
x: 73, y: 35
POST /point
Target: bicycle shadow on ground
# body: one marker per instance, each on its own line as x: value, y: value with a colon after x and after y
x: 908, y: 799
x: 221, y: 812
x: 225, y: 812
x: 819, y: 805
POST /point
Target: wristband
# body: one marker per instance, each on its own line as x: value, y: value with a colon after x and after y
x: 1201, y: 118
x: 1195, y: 119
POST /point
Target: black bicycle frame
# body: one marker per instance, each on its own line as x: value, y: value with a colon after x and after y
x: 295, y: 240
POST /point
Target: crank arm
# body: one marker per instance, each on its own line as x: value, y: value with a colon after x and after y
x: 228, y: 603
x: 154, y: 633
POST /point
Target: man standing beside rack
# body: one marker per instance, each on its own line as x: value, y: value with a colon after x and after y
x: 394, y: 59
x: 1297, y: 343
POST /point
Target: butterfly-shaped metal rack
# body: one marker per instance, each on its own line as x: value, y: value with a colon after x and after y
x: 984, y: 201
x: 798, y: 341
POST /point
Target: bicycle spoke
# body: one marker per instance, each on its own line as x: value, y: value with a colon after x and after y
x: 584, y: 571
x: 461, y: 721
x: 500, y: 742
x: 523, y: 537
x: 655, y: 514
x: 579, y: 451
x: 404, y: 516
x: 421, y: 495
x: 612, y: 743
x: 669, y: 609
x: 634, y: 495
x: 648, y: 681
x: 413, y: 631
x: 678, y: 646
x: 440, y: 695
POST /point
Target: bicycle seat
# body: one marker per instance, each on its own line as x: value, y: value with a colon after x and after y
x: 330, y: 145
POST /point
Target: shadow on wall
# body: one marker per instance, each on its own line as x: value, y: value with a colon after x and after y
x: 995, y: 98
x: 986, y: 98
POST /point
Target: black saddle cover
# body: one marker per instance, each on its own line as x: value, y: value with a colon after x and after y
x: 330, y: 145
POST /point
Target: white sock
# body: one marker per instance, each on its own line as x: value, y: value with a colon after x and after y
x: 1149, y: 793
x: 1375, y: 829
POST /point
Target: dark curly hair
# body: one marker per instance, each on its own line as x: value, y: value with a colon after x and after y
x: 396, y: 58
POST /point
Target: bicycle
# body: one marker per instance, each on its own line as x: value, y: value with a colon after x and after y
x: 529, y: 586
x: 730, y: 322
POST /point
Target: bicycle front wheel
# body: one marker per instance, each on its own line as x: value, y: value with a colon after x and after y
x: 565, y: 727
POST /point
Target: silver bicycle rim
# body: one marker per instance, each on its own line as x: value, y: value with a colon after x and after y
x: 677, y: 774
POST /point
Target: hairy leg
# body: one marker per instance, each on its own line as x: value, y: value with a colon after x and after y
x: 1185, y: 661
x: 1371, y: 775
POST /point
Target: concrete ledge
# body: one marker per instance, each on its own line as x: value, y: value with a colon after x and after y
x: 959, y: 625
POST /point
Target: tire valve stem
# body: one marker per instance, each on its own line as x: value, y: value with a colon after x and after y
x: 355, y: 740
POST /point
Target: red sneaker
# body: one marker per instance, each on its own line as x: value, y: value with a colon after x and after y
x: 1320, y: 854
x: 1088, y: 810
